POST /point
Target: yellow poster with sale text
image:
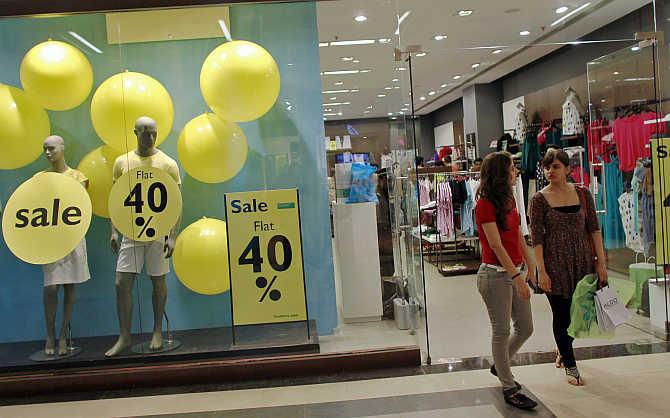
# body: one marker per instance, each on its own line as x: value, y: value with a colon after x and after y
x: 265, y: 257
x: 660, y: 160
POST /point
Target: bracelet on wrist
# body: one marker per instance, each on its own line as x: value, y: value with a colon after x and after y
x: 516, y: 275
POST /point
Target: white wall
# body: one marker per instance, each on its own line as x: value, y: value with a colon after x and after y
x: 444, y: 135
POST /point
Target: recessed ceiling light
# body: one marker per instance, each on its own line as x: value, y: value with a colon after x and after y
x: 355, y: 42
x: 388, y: 88
x: 394, y: 118
x: 381, y: 95
x: 355, y: 90
x: 339, y: 113
x: 365, y: 137
x: 464, y: 13
x: 422, y: 98
x: 335, y: 91
x: 602, y: 100
x: 327, y: 110
x: 404, y: 109
x: 616, y: 73
x: 456, y: 77
x: 361, y: 18
x: 524, y: 33
x: 385, y: 41
x: 421, y: 54
x: 333, y: 98
x: 635, y: 48
x: 356, y: 61
x: 444, y: 85
x: 401, y: 69
x: 475, y: 65
x: 395, y: 80
x: 497, y: 51
x: 337, y: 104
x: 341, y: 72
x: 347, y: 59
x: 565, y: 17
x: 562, y: 9
x: 390, y: 113
x: 440, y: 37
x: 367, y: 111
x: 322, y: 44
x: 396, y: 87
x: 431, y: 93
x: 365, y: 71
x: 370, y: 107
x: 339, y: 83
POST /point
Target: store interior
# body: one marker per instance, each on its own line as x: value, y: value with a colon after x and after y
x: 570, y: 76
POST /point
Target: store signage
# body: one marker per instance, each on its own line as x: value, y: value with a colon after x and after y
x: 265, y: 257
x: 145, y: 204
x: 46, y: 218
x: 660, y: 160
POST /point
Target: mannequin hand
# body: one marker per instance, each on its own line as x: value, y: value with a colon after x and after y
x: 114, y: 243
x: 523, y: 289
x: 601, y: 271
x: 545, y: 282
x: 169, y: 247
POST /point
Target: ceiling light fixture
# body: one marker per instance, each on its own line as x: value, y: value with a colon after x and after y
x: 347, y: 59
x: 367, y: 111
x: 333, y: 98
x: 572, y: 13
x: 361, y: 18
x: 440, y: 37
x: 464, y: 13
x: 456, y: 77
x: 84, y: 41
x: 401, y: 69
x: 562, y: 10
x: 524, y: 33
x: 421, y: 54
x: 431, y: 93
x: 388, y: 88
x: 381, y: 95
x: 395, y: 80
x: 475, y: 65
x: 365, y: 71
x: 354, y: 42
x: 385, y: 41
x: 444, y: 85
x: 402, y: 19
x: 337, y: 104
x: 355, y: 90
x: 422, y: 98
x: 335, y: 91
x: 635, y: 48
x: 616, y: 73
x: 322, y: 44
x: 339, y: 83
x: 370, y: 107
x: 390, y: 113
x: 356, y: 61
x: 497, y: 51
x: 339, y: 113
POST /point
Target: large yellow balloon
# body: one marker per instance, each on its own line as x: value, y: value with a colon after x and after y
x: 240, y: 81
x: 58, y: 75
x: 123, y: 98
x: 211, y: 149
x: 97, y: 165
x: 23, y: 127
x: 201, y: 257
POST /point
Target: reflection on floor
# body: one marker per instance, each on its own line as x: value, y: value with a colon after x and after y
x: 455, y: 309
x: 616, y: 387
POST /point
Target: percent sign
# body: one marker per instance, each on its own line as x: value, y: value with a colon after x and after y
x: 262, y: 282
x: 135, y: 200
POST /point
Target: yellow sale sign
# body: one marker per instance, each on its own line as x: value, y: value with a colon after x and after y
x: 265, y: 257
x: 660, y: 159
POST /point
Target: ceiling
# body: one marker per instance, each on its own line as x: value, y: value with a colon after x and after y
x: 380, y: 88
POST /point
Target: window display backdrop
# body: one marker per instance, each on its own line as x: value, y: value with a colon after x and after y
x: 285, y: 150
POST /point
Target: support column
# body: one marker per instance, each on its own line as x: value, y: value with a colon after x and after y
x: 482, y: 114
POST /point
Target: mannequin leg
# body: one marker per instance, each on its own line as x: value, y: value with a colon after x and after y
x: 124, y: 310
x: 50, y: 295
x: 159, y: 299
x: 68, y: 304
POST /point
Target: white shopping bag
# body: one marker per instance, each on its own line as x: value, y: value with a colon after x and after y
x: 604, y: 322
x: 613, y: 312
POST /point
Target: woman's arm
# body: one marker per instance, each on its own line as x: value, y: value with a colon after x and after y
x: 593, y: 228
x: 527, y: 256
x: 537, y: 226
x: 493, y: 238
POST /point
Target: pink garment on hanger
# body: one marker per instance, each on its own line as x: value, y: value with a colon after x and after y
x: 632, y: 136
x: 445, y: 210
x: 425, y: 187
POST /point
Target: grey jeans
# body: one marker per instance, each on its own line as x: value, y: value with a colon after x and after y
x: 503, y: 303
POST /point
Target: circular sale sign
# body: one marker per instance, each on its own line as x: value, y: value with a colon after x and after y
x: 46, y: 218
x: 145, y: 204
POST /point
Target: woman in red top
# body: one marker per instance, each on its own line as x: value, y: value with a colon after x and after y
x: 501, y: 278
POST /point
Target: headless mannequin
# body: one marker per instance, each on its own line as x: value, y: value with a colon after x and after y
x: 54, y: 151
x: 145, y: 130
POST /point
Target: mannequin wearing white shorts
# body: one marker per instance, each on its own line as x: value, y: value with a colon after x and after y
x: 135, y: 256
x: 68, y: 271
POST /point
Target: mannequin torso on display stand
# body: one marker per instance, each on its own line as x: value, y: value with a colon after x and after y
x: 68, y: 271
x: 572, y: 111
x: 133, y: 255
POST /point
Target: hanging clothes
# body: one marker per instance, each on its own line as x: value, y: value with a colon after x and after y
x: 531, y: 154
x: 425, y: 186
x: 632, y: 136
x: 597, y: 134
x: 540, y: 181
x: 648, y: 213
x: 467, y: 220
x: 445, y: 210
x: 614, y: 235
x: 626, y: 208
x: 572, y: 120
x: 520, y: 125
x: 521, y: 205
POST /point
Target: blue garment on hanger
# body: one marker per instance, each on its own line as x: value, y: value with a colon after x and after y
x: 612, y: 228
x: 467, y: 221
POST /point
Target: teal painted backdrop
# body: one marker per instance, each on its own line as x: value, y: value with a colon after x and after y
x: 286, y: 150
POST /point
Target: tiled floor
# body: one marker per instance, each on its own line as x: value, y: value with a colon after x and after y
x: 633, y: 386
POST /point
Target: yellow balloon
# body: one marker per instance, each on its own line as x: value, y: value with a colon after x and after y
x: 240, y: 81
x: 97, y: 165
x: 211, y: 149
x: 23, y: 127
x: 58, y: 75
x: 124, y: 97
x: 200, y: 257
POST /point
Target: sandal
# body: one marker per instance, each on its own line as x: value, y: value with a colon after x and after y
x: 573, y: 376
x: 559, y: 361
x: 495, y: 373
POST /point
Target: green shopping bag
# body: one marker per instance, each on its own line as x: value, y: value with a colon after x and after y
x: 583, y: 318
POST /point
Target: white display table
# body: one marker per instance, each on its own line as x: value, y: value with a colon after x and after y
x: 357, y: 258
x: 659, y: 295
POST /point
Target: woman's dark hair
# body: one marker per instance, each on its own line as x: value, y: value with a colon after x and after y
x: 554, y: 154
x: 418, y: 161
x: 495, y: 185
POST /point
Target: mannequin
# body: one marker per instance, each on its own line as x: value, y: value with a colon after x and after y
x: 71, y: 269
x: 133, y: 255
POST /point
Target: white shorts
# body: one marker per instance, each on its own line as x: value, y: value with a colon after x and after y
x: 71, y: 269
x: 134, y: 255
